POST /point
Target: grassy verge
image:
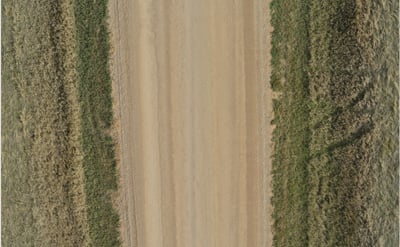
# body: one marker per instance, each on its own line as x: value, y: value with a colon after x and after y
x: 336, y: 137
x: 58, y: 166
x: 96, y: 103
x: 290, y: 54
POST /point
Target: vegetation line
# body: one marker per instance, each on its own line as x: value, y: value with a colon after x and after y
x: 96, y: 103
x: 58, y: 163
x: 336, y: 157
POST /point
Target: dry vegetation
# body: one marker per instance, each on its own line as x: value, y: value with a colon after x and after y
x: 50, y: 194
x: 43, y: 199
x: 336, y: 161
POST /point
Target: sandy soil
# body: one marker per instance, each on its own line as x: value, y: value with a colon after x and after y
x: 194, y: 108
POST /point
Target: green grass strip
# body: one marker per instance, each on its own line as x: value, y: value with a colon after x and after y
x: 96, y: 103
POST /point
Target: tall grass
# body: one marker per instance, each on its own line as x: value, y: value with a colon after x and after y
x: 43, y: 198
x: 342, y: 165
x: 58, y: 165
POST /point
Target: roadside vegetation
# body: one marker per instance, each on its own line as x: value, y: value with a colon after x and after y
x: 336, y: 157
x: 96, y: 117
x: 58, y: 165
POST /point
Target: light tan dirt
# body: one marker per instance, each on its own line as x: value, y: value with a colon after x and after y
x: 194, y: 109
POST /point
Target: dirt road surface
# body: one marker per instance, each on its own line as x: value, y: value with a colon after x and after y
x: 193, y: 107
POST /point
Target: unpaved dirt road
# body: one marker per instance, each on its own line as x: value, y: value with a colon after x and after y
x: 193, y: 106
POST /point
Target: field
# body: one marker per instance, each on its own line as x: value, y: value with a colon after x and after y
x: 335, y: 167
x: 58, y: 165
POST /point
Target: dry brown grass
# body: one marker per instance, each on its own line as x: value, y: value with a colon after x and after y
x: 43, y: 197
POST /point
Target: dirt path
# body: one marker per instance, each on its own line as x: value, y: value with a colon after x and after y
x: 190, y: 83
